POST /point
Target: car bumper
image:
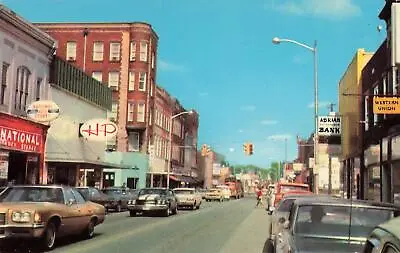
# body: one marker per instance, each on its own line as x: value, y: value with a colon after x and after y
x: 213, y: 197
x: 21, y: 231
x: 186, y: 203
x: 141, y: 208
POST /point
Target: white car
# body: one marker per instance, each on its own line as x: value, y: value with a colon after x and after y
x: 226, y: 192
x: 188, y: 197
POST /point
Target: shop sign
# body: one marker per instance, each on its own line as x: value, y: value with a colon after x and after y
x: 98, y: 129
x: 329, y: 125
x: 386, y: 105
x: 43, y: 111
x: 20, y: 140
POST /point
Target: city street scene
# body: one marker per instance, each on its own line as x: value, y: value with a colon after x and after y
x: 218, y: 127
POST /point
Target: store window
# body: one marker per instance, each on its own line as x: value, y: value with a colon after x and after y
x: 374, y: 188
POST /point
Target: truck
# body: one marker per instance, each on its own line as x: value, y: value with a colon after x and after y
x: 236, y: 187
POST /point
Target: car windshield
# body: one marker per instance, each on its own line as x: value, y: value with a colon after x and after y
x: 153, y: 191
x: 288, y: 188
x: 113, y: 192
x: 285, y: 205
x: 178, y: 192
x: 32, y: 194
x: 319, y: 220
x: 84, y: 192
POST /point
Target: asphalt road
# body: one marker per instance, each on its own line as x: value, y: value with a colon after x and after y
x: 233, y: 226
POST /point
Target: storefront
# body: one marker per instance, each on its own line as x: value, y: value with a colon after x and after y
x: 22, y: 146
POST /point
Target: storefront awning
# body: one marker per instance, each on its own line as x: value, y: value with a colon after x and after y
x: 96, y: 163
x: 186, y: 179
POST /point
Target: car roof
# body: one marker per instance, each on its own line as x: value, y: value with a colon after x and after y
x: 39, y: 186
x: 344, y: 202
x: 154, y: 188
x: 392, y: 226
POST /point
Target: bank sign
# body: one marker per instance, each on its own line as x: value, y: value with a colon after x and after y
x: 329, y: 125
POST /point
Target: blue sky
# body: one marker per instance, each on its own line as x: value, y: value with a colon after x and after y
x: 216, y: 56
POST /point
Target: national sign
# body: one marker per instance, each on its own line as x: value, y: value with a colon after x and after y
x: 329, y: 125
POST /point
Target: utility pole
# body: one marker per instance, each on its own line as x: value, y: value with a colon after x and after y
x: 330, y: 106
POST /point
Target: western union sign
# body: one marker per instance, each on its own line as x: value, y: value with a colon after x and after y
x: 386, y: 105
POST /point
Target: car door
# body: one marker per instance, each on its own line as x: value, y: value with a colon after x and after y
x: 85, y: 210
x: 73, y: 213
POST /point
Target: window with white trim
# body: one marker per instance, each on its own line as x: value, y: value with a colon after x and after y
x: 366, y: 107
x: 113, y: 80
x: 142, y: 81
x: 153, y: 60
x: 150, y: 118
x: 21, y: 88
x: 143, y: 51
x: 98, y: 75
x: 131, y: 86
x: 132, y: 55
x: 140, y: 112
x: 112, y: 115
x: 38, y: 88
x: 130, y: 111
x: 71, y: 51
x: 4, y: 81
x: 151, y: 87
x: 115, y: 51
x: 98, y: 50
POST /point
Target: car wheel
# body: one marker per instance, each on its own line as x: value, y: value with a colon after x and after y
x: 132, y: 213
x: 49, y: 236
x: 89, y: 231
x: 175, y: 211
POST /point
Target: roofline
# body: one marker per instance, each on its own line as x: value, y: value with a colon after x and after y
x: 85, y: 24
x: 22, y: 24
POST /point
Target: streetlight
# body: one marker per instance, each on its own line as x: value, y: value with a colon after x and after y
x: 313, y: 49
x: 170, y: 142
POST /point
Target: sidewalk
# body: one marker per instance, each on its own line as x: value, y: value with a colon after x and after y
x: 251, y: 235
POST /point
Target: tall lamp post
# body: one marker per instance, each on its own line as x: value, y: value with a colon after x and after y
x: 171, y: 120
x: 314, y: 51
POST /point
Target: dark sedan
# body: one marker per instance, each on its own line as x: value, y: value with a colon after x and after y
x: 331, y: 225
x: 96, y: 196
x: 119, y: 198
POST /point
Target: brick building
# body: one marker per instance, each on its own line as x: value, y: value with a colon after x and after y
x: 122, y: 55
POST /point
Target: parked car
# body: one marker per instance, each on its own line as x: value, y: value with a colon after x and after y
x: 96, y: 196
x: 118, y: 198
x: 385, y: 238
x: 283, y: 188
x: 214, y: 194
x: 159, y: 200
x: 323, y: 225
x: 47, y: 212
x: 202, y: 192
x: 188, y: 197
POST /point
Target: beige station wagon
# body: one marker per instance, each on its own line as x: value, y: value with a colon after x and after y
x: 47, y: 212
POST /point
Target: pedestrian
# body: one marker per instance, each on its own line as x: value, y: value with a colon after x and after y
x: 259, y: 197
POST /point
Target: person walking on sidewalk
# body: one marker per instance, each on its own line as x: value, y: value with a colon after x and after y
x: 259, y: 198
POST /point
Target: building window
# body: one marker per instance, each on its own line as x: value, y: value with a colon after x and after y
x: 142, y: 81
x: 71, y: 51
x: 113, y: 80
x: 114, y: 110
x: 130, y: 111
x: 38, y: 88
x: 140, y: 112
x: 153, y: 60
x: 133, y: 142
x: 4, y: 72
x: 98, y: 75
x: 98, y: 50
x: 131, y: 85
x: 132, y: 56
x: 115, y: 50
x: 21, y: 87
x: 366, y: 114
x: 151, y: 87
x: 150, y: 118
x: 143, y: 51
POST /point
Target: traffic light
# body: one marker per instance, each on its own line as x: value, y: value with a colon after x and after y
x: 205, y: 150
x: 250, y: 148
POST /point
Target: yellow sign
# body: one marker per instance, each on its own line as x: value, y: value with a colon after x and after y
x: 386, y: 105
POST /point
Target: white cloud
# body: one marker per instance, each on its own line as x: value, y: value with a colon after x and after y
x: 168, y: 66
x: 269, y: 122
x: 322, y: 8
x: 203, y: 94
x: 240, y: 131
x: 279, y: 137
x: 248, y: 108
x: 321, y: 104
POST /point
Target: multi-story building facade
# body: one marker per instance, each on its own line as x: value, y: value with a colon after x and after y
x: 350, y: 112
x: 25, y: 57
x: 123, y: 56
